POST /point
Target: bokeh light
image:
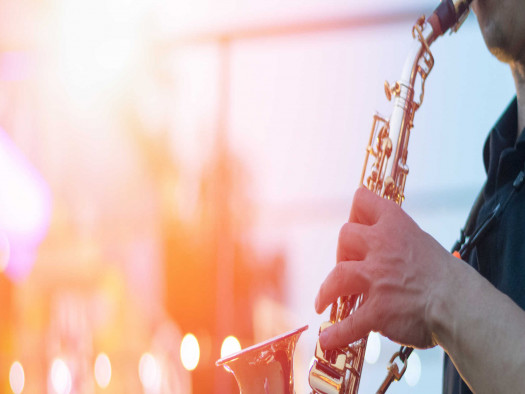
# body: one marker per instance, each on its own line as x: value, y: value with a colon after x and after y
x: 102, y: 370
x: 60, y: 377
x: 149, y: 372
x: 16, y: 377
x: 229, y: 346
x: 189, y: 352
x: 373, y: 348
x: 413, y: 372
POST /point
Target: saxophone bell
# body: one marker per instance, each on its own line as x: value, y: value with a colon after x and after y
x: 266, y: 367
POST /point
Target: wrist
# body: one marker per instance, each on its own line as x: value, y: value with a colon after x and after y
x: 443, y: 299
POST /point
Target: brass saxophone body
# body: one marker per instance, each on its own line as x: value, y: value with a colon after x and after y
x: 339, y: 370
x: 268, y: 367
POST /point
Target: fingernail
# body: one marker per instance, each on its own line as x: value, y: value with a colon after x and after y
x: 317, y: 303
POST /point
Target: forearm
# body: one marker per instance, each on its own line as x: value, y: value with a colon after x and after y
x: 481, y: 329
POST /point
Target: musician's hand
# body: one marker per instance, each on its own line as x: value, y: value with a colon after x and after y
x: 399, y: 268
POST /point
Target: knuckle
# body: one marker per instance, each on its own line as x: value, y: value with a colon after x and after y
x: 388, y: 211
x: 360, y: 272
x: 378, y: 271
x: 323, y: 292
x: 353, y: 242
x: 380, y: 312
x: 375, y: 238
x: 359, y: 194
x: 339, y: 273
x: 342, y: 242
x: 343, y: 232
x: 365, y: 275
x: 376, y: 313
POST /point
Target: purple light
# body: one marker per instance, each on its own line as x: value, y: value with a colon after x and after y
x: 25, y: 207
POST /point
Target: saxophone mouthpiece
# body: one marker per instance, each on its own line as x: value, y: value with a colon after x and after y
x: 450, y: 14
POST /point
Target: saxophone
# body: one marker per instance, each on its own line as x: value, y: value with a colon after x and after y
x: 339, y: 370
x: 268, y: 367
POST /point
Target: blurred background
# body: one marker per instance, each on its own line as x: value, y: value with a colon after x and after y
x: 175, y: 175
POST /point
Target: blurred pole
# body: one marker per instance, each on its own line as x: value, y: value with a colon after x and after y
x: 225, y: 247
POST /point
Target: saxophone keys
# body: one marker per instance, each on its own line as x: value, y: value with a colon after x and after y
x: 388, y: 93
x: 395, y: 90
x: 386, y: 146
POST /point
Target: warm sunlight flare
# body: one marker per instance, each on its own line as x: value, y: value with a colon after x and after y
x: 189, y: 352
x: 229, y: 346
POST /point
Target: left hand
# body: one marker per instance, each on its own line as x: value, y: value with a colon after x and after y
x: 383, y: 254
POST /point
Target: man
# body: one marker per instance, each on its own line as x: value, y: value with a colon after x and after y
x: 416, y: 292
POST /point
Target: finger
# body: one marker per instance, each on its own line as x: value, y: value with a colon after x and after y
x: 367, y: 207
x: 354, y: 327
x: 352, y: 243
x: 347, y: 278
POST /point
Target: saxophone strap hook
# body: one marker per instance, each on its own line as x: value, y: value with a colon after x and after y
x: 394, y: 373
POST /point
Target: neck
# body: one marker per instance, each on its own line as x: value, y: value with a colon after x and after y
x: 518, y: 72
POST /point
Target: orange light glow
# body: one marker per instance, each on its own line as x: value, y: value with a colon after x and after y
x: 102, y: 370
x: 16, y: 377
x: 189, y: 352
x: 230, y: 345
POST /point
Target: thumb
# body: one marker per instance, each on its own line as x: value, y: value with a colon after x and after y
x: 351, y: 329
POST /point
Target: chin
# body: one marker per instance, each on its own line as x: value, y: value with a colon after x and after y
x: 498, y: 42
x: 501, y: 54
